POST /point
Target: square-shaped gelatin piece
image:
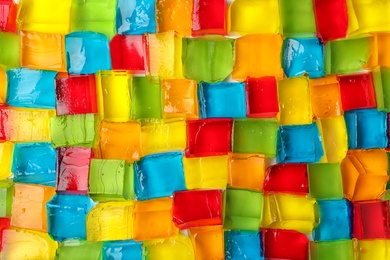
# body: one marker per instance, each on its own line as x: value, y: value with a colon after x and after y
x: 372, y: 16
x: 72, y: 249
x: 197, y: 208
x: 381, y: 77
x: 76, y: 94
x: 4, y: 224
x: 258, y: 55
x: 3, y: 85
x: 176, y: 247
x: 73, y: 169
x: 120, y: 141
x: 371, y: 249
x: 123, y: 46
x: 10, y: 50
x: 286, y: 178
x: 8, y: 10
x: 145, y: 99
x: 383, y: 41
x: 325, y: 97
x: 125, y: 249
x: 207, y: 137
x: 46, y: 16
x: 208, y: 242
x: 29, y: 206
x: 325, y: 181
x: 330, y: 250
x: 284, y: 244
x: 174, y: 15
x: 87, y: 52
x: 297, y: 18
x: 153, y: 219
x: 222, y: 99
x: 42, y: 51
x: 243, y: 245
x: 6, y: 197
x: 209, y: 17
x: 135, y: 17
x: 6, y: 155
x: 179, y: 98
x: 261, y: 97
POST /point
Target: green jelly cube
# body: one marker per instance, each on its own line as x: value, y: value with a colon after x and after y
x: 331, y: 250
x: 347, y: 55
x: 76, y: 249
x: 381, y: 77
x: 325, y: 181
x: 93, y: 15
x: 6, y: 198
x: 243, y: 209
x: 111, y: 180
x: 253, y: 135
x: 73, y: 130
x: 208, y: 59
x: 146, y: 99
x: 9, y: 50
x: 297, y: 18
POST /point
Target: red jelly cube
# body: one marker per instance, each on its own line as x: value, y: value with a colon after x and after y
x: 73, y: 169
x: 128, y: 53
x: 207, y: 137
x: 290, y: 178
x: 331, y: 18
x: 8, y: 11
x: 3, y: 116
x: 262, y: 97
x: 197, y: 208
x: 4, y: 224
x: 76, y: 94
x: 208, y: 17
x: 371, y: 220
x: 285, y: 244
x: 357, y: 91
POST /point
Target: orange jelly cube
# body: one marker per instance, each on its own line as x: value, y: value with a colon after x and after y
x: 174, y: 15
x: 208, y: 242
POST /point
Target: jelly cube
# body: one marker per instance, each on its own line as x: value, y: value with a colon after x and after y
x: 209, y: 172
x: 176, y: 247
x: 381, y: 77
x: 4, y: 224
x: 246, y: 171
x: 73, y: 130
x: 382, y: 41
x: 179, y: 98
x: 285, y: 244
x: 44, y: 16
x: 6, y: 155
x: 297, y: 18
x: 6, y: 197
x: 291, y: 212
x: 222, y: 99
x: 364, y: 174
x: 8, y: 11
x: 325, y: 181
x: 3, y: 85
x: 255, y: 135
x: 123, y: 46
x: 135, y: 17
x: 329, y: 250
x: 299, y: 143
x: 42, y: 51
x: 111, y: 180
x: 29, y: 206
x: 243, y: 209
x: 31, y: 88
x: 111, y: 220
x: 121, y: 250
x: 325, y: 97
x: 208, y: 242
x: 34, y: 163
x: 153, y: 219
x: 294, y: 101
x: 243, y: 245
x: 258, y: 55
x: 159, y: 175
x: 93, y: 15
x: 197, y: 208
x: 73, y: 169
x: 208, y: 59
x: 174, y: 15
x: 72, y: 249
x: 113, y: 93
x: 261, y: 97
x: 9, y: 50
x: 303, y: 55
x: 286, y: 178
x: 146, y: 99
x: 208, y: 17
x: 207, y: 137
x: 87, y: 52
x: 120, y: 140
x: 76, y: 94
x: 66, y: 216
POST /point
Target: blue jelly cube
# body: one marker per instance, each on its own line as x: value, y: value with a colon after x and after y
x: 243, y: 245
x: 87, y: 52
x: 31, y: 88
x: 122, y: 250
x: 159, y: 175
x: 299, y: 144
x: 67, y: 215
x: 335, y: 216
x: 366, y: 129
x: 135, y: 17
x: 222, y: 99
x: 303, y: 55
x: 34, y: 163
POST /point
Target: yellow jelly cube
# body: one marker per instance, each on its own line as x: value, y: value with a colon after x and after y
x: 174, y: 15
x: 372, y: 249
x: 381, y: 55
x: 291, y: 212
x: 3, y: 86
x: 294, y: 101
x: 113, y: 93
x: 110, y: 221
x: 209, y: 172
x: 208, y: 242
x: 371, y: 15
x: 176, y: 247
x: 353, y: 24
x: 6, y: 152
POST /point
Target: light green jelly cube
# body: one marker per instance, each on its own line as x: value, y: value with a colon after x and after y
x: 381, y: 76
x: 325, y: 181
x: 9, y: 50
x: 146, y: 99
x: 6, y: 198
x: 76, y: 249
x: 331, y: 250
x: 297, y: 18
